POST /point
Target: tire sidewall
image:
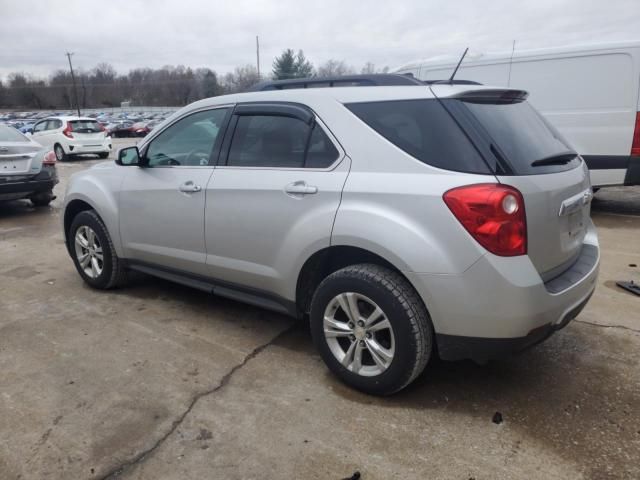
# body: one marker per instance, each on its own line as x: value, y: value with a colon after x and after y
x: 89, y: 219
x: 402, y: 365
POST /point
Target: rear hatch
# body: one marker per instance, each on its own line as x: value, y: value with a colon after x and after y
x: 526, y: 152
x: 87, y: 132
x: 16, y: 152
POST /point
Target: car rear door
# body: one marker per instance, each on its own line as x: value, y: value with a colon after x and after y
x: 162, y: 203
x: 274, y: 196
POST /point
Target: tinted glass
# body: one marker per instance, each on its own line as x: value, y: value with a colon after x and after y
x: 268, y: 141
x: 53, y: 124
x: 522, y: 135
x: 85, y: 126
x: 189, y: 141
x: 10, y: 134
x: 423, y: 129
x: 321, y: 152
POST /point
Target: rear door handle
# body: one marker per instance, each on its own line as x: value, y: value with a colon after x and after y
x: 190, y: 187
x: 300, y: 188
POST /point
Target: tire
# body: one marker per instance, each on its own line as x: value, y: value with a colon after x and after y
x: 103, y: 154
x: 112, y: 272
x: 42, y: 199
x: 409, y: 338
x: 61, y: 156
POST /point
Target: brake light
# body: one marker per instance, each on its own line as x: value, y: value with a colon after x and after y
x: 635, y: 145
x: 494, y: 216
x: 102, y: 127
x: 67, y: 130
x: 49, y: 158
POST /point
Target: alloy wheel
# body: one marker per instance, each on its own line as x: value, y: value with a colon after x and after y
x: 89, y: 252
x: 359, y: 334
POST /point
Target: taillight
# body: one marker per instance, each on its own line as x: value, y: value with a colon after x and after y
x: 494, y: 216
x: 49, y: 158
x: 635, y: 145
x: 67, y: 130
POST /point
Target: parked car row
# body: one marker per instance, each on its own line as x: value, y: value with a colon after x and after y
x: 121, y: 124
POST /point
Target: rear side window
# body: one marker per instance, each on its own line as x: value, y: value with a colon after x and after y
x: 54, y: 124
x: 10, y: 134
x: 424, y: 130
x: 523, y: 136
x: 279, y: 142
x: 85, y: 126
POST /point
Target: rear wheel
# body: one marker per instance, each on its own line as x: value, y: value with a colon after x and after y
x: 42, y: 199
x: 61, y: 156
x: 371, y: 328
x: 93, y: 252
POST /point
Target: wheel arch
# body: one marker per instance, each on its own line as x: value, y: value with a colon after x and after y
x: 331, y: 259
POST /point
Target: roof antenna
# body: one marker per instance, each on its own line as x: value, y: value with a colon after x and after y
x: 513, y: 49
x: 458, y: 66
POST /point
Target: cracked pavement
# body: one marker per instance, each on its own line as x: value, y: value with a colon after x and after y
x: 157, y: 381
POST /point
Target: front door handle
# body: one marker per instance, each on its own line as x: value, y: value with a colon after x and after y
x: 300, y: 188
x: 190, y: 187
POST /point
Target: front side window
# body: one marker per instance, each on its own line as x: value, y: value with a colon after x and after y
x: 188, y: 142
x: 279, y: 142
x: 40, y: 126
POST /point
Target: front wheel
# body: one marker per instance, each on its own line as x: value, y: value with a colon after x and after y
x: 371, y: 328
x: 93, y: 252
x: 103, y: 154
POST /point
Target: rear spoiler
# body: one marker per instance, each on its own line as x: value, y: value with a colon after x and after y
x: 493, y: 95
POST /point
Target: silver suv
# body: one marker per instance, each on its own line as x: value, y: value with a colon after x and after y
x: 405, y: 221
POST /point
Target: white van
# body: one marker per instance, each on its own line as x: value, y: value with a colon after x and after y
x: 591, y: 94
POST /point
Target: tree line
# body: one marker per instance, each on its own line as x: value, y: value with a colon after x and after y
x: 103, y: 87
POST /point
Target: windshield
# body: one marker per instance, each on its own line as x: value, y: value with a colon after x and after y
x: 523, y: 137
x: 10, y: 134
x: 85, y: 126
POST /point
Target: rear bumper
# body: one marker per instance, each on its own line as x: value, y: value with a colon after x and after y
x: 79, y: 148
x: 501, y: 305
x: 42, y: 182
x: 481, y: 350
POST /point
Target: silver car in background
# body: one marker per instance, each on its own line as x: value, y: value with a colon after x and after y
x: 27, y: 169
x: 403, y: 220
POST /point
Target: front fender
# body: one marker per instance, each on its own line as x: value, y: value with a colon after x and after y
x: 99, y: 189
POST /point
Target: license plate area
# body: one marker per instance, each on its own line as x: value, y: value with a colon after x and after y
x: 575, y: 223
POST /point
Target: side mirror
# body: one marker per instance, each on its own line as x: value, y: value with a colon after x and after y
x: 129, y: 157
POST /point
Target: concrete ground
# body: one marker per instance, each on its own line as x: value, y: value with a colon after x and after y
x: 158, y: 381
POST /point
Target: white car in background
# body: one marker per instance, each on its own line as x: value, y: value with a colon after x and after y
x: 591, y: 94
x: 68, y: 135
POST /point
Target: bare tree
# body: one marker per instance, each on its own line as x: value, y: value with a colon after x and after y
x: 370, y: 68
x: 240, y: 79
x: 332, y: 68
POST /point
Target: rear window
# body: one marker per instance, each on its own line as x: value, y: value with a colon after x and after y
x: 85, y: 126
x: 522, y: 135
x: 424, y: 130
x: 10, y: 134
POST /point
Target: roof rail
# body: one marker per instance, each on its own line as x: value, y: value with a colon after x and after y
x: 453, y: 82
x: 373, y: 80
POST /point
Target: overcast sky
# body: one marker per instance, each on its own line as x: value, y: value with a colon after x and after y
x: 34, y: 34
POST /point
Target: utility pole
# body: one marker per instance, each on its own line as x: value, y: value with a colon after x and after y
x: 258, y: 55
x: 73, y: 79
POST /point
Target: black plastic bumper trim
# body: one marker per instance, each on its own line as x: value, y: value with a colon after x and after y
x: 606, y: 162
x: 481, y: 350
x: 633, y: 172
x: 43, y: 181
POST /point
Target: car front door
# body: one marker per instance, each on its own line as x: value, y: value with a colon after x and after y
x: 273, y: 198
x: 162, y: 202
x: 39, y: 133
